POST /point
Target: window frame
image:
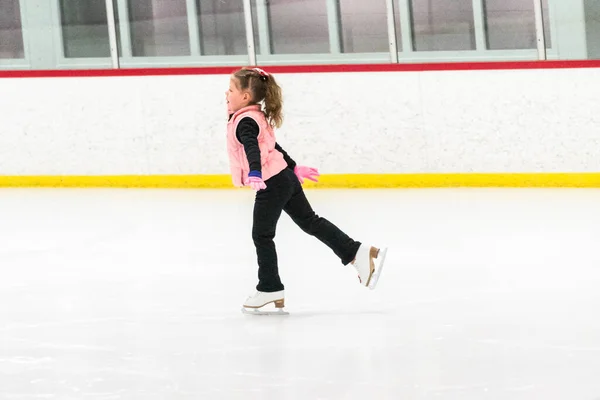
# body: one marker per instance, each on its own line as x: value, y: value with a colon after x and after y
x: 481, y: 53
x: 195, y: 59
x: 63, y: 62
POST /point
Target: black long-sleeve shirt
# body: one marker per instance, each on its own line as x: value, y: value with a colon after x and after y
x: 247, y: 133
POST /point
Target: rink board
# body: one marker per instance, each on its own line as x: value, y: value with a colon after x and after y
x: 435, y: 125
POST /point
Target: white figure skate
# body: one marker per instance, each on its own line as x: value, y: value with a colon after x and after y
x: 255, y: 303
x: 368, y: 270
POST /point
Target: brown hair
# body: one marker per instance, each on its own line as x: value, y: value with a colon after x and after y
x: 263, y: 86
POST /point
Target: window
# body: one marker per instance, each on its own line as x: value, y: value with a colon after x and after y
x: 510, y: 24
x: 222, y: 27
x: 84, y: 29
x: 159, y: 28
x: 11, y: 32
x: 49, y: 34
x: 364, y: 26
x: 298, y: 26
x: 442, y: 25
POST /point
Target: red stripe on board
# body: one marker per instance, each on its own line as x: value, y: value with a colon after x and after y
x: 330, y: 68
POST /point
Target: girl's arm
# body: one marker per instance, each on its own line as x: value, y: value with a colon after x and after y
x: 247, y: 133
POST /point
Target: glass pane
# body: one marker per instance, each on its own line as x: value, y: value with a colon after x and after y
x: 510, y: 24
x: 84, y: 28
x: 159, y: 28
x: 364, y: 26
x: 11, y: 32
x: 222, y: 27
x: 442, y: 25
x: 298, y: 26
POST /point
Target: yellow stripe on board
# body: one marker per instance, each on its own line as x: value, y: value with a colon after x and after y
x: 341, y: 181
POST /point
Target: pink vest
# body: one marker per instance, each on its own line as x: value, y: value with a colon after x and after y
x: 271, y: 160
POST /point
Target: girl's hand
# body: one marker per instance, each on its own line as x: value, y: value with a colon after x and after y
x: 306, y: 173
x: 255, y: 181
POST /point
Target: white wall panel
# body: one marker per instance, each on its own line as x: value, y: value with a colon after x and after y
x: 388, y: 122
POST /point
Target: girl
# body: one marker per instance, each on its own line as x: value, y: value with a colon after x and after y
x: 257, y: 160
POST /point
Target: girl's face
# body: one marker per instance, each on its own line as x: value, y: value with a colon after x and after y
x: 236, y: 99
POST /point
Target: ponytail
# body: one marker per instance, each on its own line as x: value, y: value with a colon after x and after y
x: 263, y: 87
x: 273, y: 103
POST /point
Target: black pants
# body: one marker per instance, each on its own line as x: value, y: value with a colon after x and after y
x: 284, y: 193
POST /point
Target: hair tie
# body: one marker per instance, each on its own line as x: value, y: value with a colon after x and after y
x: 263, y: 74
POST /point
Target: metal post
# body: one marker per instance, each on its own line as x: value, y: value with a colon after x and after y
x: 334, y: 24
x: 391, y: 24
x: 539, y: 29
x: 264, y: 32
x: 405, y: 26
x: 112, y: 33
x: 193, y: 28
x: 479, y: 22
x: 249, y: 32
x: 126, y: 51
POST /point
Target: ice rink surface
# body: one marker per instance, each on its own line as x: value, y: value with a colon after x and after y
x: 136, y: 295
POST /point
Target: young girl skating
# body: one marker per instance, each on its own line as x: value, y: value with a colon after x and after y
x: 254, y: 105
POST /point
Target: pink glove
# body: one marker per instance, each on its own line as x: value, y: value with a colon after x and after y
x: 306, y: 172
x: 256, y: 183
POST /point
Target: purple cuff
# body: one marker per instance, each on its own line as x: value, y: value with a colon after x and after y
x: 255, y: 174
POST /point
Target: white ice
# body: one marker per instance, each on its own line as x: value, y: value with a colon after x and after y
x: 136, y: 295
